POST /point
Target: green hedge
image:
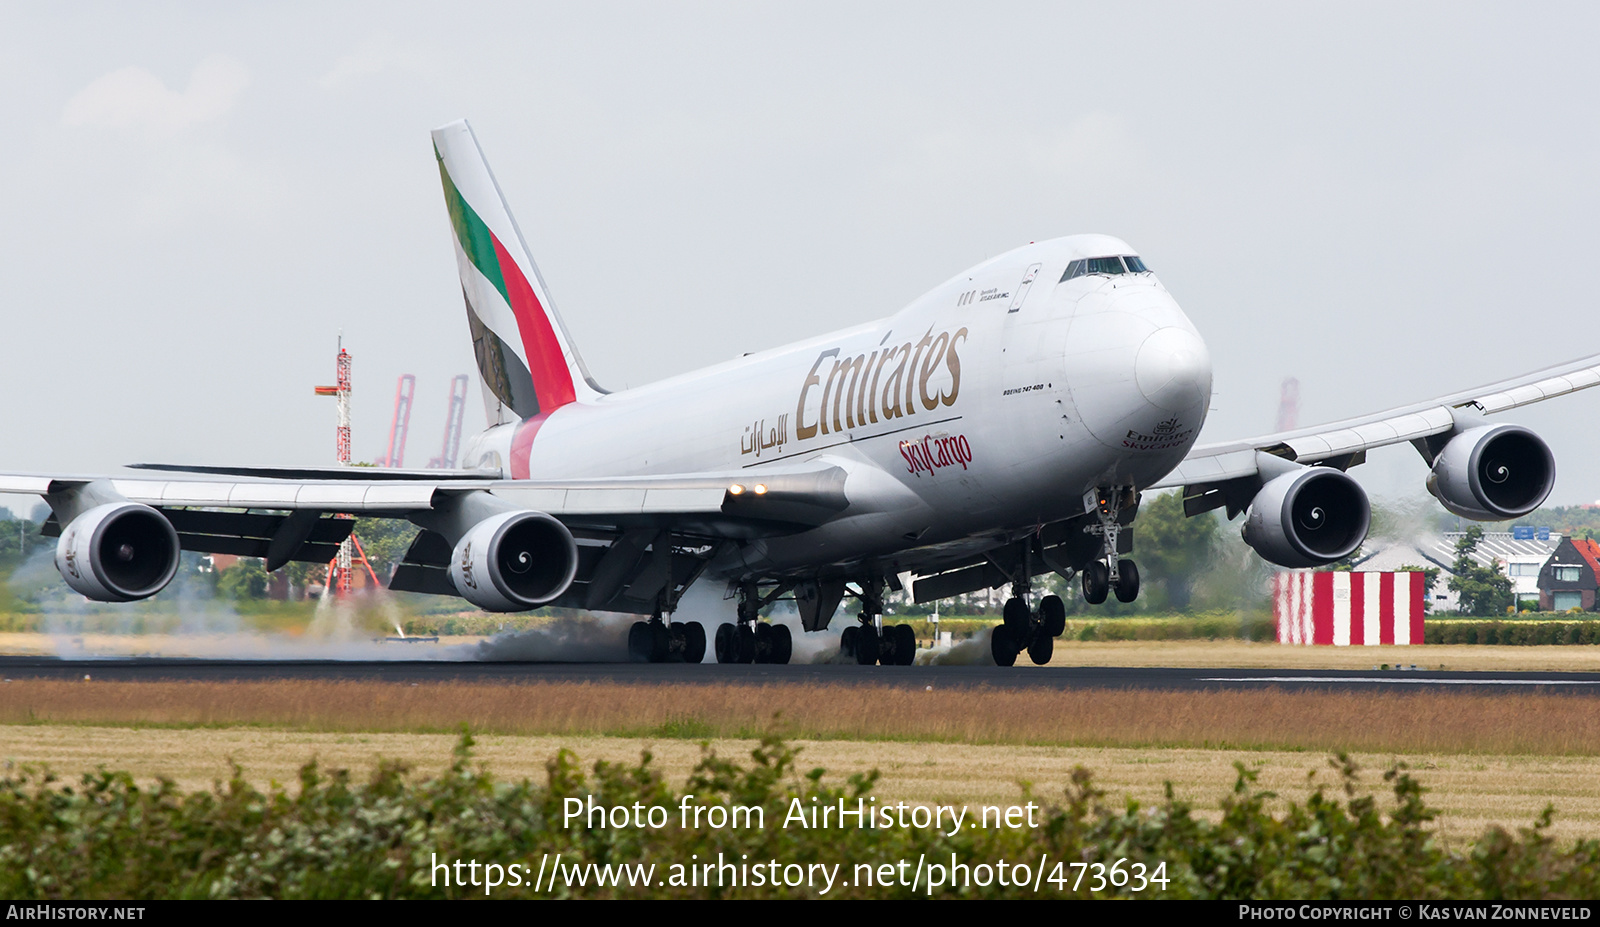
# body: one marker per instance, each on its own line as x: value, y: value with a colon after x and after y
x: 1217, y: 626
x: 1521, y: 632
x: 106, y: 837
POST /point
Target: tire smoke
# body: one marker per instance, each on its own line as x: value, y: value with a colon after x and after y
x: 974, y: 651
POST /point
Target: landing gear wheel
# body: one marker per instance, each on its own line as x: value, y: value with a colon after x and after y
x: 727, y: 644
x: 898, y: 645
x: 1127, y: 581
x: 1040, y: 648
x: 867, y: 646
x: 694, y: 642
x: 763, y: 652
x: 1017, y: 619
x: 747, y: 644
x: 1096, y: 582
x: 782, y: 644
x: 640, y: 642
x: 1000, y: 646
x: 677, y: 638
x: 905, y: 645
x: 660, y: 642
x: 848, y: 641
x: 1052, y: 615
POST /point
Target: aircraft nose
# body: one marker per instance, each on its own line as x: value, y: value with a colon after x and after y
x: 1173, y: 370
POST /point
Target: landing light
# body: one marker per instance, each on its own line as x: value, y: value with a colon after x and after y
x: 761, y: 489
x: 735, y: 490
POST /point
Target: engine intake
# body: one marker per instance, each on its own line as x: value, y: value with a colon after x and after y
x: 514, y: 561
x: 1493, y: 473
x: 118, y: 552
x: 1308, y: 517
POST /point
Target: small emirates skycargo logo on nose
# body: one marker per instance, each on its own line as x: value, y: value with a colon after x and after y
x: 935, y: 453
x: 1167, y: 434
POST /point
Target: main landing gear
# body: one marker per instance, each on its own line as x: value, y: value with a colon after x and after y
x: 870, y: 641
x: 1034, y: 631
x: 753, y: 640
x: 656, y: 641
x: 662, y: 640
x: 1109, y: 573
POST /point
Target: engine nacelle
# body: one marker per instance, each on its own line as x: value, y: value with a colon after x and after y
x: 118, y: 552
x: 514, y: 561
x: 1308, y: 517
x: 1493, y: 473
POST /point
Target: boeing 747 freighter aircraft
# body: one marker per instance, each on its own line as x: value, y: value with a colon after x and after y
x: 1001, y: 427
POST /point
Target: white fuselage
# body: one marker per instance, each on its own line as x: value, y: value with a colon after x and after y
x: 987, y: 406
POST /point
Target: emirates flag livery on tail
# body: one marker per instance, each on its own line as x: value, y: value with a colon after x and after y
x: 1002, y: 426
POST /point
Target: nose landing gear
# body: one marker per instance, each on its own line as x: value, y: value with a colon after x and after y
x: 1110, y: 573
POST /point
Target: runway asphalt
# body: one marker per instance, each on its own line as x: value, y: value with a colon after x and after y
x: 1063, y: 679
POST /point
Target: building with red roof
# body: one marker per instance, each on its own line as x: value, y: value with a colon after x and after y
x: 1568, y: 580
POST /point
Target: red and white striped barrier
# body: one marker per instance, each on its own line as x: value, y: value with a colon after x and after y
x: 1342, y: 609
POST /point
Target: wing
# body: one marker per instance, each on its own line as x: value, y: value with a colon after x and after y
x: 282, y: 515
x: 1214, y: 475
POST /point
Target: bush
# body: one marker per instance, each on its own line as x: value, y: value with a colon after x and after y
x: 108, y: 838
x: 1524, y: 633
x: 1250, y: 626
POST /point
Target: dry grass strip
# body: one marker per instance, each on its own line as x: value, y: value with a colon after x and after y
x: 1550, y: 725
x: 1267, y: 655
x: 1471, y: 792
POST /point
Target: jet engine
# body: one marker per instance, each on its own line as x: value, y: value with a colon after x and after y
x: 118, y: 552
x: 1493, y: 472
x: 1308, y: 517
x: 514, y: 561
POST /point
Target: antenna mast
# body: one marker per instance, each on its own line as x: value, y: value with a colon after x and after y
x: 339, y: 568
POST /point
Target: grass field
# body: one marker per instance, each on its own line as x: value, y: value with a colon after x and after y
x: 1428, y: 722
x: 1487, y: 760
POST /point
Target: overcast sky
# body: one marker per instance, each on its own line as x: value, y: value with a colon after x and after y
x: 1384, y: 201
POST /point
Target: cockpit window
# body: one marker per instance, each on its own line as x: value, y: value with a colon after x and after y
x: 1126, y: 264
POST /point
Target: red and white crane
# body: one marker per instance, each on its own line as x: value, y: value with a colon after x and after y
x: 400, y: 426
x: 452, y: 425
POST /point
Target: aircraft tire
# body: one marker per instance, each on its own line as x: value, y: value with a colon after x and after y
x: 660, y: 642
x: 1096, y: 582
x: 782, y: 644
x: 763, y: 651
x: 1017, y: 619
x: 1127, y: 581
x: 727, y: 644
x: 694, y: 642
x: 848, y: 642
x: 1052, y: 615
x: 747, y: 644
x: 1040, y: 648
x: 867, y: 646
x: 1000, y: 646
x: 676, y: 640
x: 640, y: 642
x: 905, y: 645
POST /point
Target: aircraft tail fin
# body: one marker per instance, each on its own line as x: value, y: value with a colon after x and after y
x: 528, y: 362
